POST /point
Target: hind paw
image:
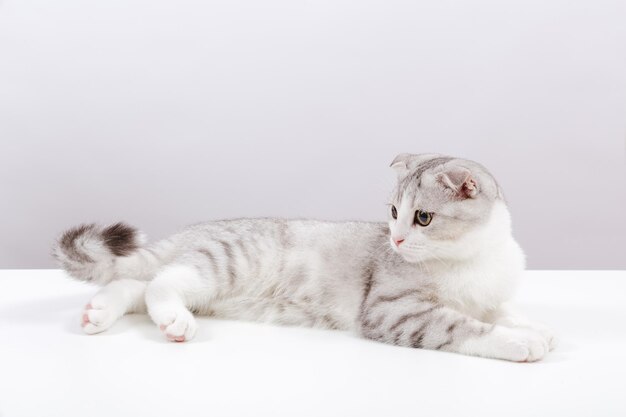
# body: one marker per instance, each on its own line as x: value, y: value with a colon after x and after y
x: 97, y: 319
x: 178, y: 326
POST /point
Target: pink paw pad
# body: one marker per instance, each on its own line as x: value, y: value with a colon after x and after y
x: 85, y: 320
x: 172, y: 338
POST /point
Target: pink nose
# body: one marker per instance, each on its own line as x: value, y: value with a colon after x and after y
x: 398, y: 241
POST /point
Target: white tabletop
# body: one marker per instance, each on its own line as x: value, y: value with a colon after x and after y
x: 48, y: 367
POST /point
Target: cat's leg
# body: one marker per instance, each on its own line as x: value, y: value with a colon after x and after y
x: 423, y: 324
x: 507, y: 315
x: 170, y: 295
x: 113, y: 301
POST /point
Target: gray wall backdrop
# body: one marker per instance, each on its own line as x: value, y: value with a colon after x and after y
x: 166, y: 113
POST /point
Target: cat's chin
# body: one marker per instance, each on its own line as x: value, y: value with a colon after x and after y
x: 409, y: 257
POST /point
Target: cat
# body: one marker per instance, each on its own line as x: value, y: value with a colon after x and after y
x: 438, y: 274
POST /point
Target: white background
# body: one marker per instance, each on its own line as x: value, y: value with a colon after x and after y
x: 164, y: 113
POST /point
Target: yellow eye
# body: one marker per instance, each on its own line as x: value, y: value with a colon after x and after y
x: 423, y: 218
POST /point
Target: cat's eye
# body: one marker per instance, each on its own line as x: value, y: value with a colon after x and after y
x: 394, y: 212
x: 423, y: 218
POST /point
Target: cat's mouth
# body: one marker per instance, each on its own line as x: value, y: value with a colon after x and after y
x: 409, y: 252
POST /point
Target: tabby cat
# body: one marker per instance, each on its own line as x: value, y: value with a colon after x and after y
x: 436, y: 275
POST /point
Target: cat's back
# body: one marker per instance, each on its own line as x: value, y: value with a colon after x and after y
x: 288, y: 234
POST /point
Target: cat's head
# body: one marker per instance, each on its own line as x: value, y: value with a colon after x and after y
x: 441, y: 206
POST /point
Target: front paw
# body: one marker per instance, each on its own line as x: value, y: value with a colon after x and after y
x: 546, y: 332
x: 517, y: 322
x: 520, y: 345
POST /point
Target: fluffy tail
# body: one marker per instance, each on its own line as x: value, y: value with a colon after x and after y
x: 101, y: 254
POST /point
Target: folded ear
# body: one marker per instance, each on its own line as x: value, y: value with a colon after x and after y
x: 459, y: 180
x: 400, y: 164
x: 406, y: 162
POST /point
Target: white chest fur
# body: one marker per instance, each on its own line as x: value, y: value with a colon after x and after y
x: 484, y: 282
x: 487, y: 269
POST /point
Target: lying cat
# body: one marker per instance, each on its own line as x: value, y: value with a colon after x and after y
x: 437, y: 275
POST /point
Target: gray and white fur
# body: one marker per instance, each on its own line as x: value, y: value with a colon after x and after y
x: 441, y: 281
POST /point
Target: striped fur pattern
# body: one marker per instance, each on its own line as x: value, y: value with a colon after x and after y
x: 445, y: 286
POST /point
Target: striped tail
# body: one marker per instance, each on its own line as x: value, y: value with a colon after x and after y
x: 101, y: 254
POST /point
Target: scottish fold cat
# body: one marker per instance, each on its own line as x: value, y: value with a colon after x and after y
x: 437, y: 275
